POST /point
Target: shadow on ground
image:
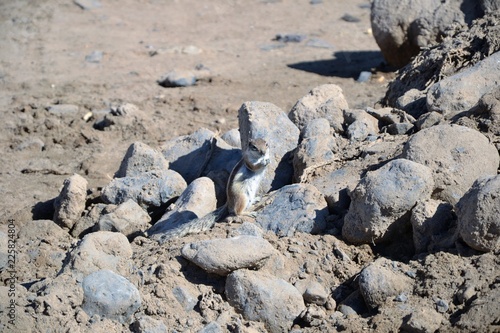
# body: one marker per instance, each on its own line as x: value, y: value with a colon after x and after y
x: 345, y: 64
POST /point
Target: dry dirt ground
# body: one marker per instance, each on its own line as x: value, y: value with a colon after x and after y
x: 45, y: 60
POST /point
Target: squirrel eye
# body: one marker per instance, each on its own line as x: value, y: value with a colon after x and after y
x: 252, y: 146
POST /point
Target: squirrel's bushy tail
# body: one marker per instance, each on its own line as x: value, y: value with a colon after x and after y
x: 195, y: 226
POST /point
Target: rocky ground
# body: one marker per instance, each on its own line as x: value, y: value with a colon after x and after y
x: 113, y: 110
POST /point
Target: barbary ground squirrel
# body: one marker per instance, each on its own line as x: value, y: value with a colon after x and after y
x: 241, y: 190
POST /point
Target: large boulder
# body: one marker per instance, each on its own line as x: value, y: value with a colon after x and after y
x: 457, y: 156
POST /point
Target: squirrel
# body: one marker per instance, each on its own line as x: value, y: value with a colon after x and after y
x: 241, y: 191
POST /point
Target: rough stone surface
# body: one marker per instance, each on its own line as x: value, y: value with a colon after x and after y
x: 110, y: 295
x: 462, y: 156
x: 325, y: 101
x: 141, y: 158
x: 232, y: 138
x: 128, y: 218
x: 70, y: 203
x: 189, y: 154
x: 101, y: 250
x: 312, y: 291
x: 269, y: 122
x: 360, y: 124
x: 150, y: 189
x: 423, y: 320
x: 383, y: 198
x: 223, y: 256
x: 297, y: 207
x: 461, y: 49
x: 185, y: 297
x: 432, y: 222
x: 196, y: 201
x: 146, y: 324
x: 462, y: 91
x: 478, y: 215
x: 316, y: 149
x: 378, y: 282
x: 264, y: 298
x: 401, y: 29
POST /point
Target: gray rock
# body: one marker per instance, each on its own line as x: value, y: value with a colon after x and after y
x: 70, y: 203
x: 63, y: 109
x: 94, y: 57
x: 433, y: 225
x: 90, y: 219
x: 125, y: 109
x: 316, y: 149
x: 128, y: 218
x: 110, y: 295
x: 360, y: 124
x: 462, y: 91
x: 383, y: 197
x: 150, y: 189
x: 336, y: 186
x: 212, y: 327
x: 262, y: 297
x: 312, y: 291
x: 401, y: 29
x: 462, y: 156
x: 399, y: 129
x: 267, y: 121
x: 100, y: 250
x: 196, y: 201
x: 223, y: 256
x: 146, y: 324
x: 423, y: 320
x: 247, y: 229
x: 325, y: 101
x: 141, y: 158
x: 428, y: 120
x: 478, y: 211
x: 185, y: 298
x: 353, y: 305
x: 189, y: 154
x: 178, y: 78
x: 378, y: 283
x: 389, y: 116
x: 88, y: 4
x: 232, y: 138
x: 297, y: 207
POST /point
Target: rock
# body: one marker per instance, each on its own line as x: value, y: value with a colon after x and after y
x: 31, y: 143
x: 423, y: 320
x: 100, y: 250
x: 312, y: 292
x: 402, y: 29
x: 428, y: 120
x: 141, y: 158
x: 212, y: 327
x: 433, y: 225
x: 297, y: 207
x: 128, y: 218
x: 110, y: 295
x: 325, y: 101
x: 462, y: 156
x: 185, y: 298
x: 70, y: 203
x: 147, y: 324
x: 316, y: 149
x: 336, y: 186
x: 399, y: 129
x: 220, y: 165
x: 63, y: 109
x: 232, y: 138
x: 313, y: 316
x: 482, y: 314
x: 88, y: 4
x: 290, y: 38
x: 364, y: 76
x: 378, y: 283
x: 95, y: 57
x: 150, y: 189
x: 178, y: 78
x: 267, y: 121
x: 353, y: 305
x: 383, y: 199
x: 196, y: 201
x: 248, y: 229
x: 262, y: 297
x: 360, y: 124
x: 189, y: 154
x: 408, y: 90
x: 90, y: 219
x: 478, y: 211
x: 223, y: 256
x: 462, y: 91
x: 125, y: 109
